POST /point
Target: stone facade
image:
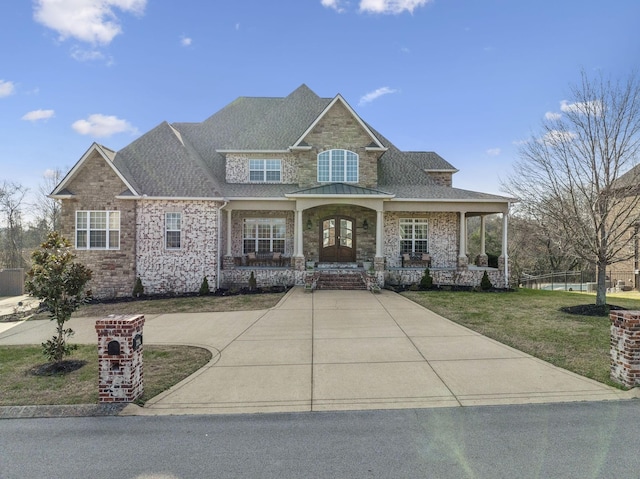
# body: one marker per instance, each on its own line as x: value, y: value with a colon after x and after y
x: 443, y: 231
x: 95, y: 188
x: 449, y: 277
x: 443, y: 179
x: 177, y: 270
x: 338, y: 129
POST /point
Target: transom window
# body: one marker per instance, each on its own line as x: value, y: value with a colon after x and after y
x: 173, y: 230
x: 97, y: 229
x: 413, y: 236
x: 264, y: 235
x: 338, y: 165
x: 265, y: 170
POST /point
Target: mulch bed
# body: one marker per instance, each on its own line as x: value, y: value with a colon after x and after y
x: 54, y: 369
x: 592, y: 309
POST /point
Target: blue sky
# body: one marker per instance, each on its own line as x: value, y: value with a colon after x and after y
x: 465, y: 78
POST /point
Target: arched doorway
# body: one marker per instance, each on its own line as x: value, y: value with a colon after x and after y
x: 337, y: 239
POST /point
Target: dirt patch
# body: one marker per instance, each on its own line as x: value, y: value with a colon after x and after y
x: 592, y: 309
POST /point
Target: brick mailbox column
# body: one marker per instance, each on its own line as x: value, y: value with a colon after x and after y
x: 120, y: 358
x: 625, y: 347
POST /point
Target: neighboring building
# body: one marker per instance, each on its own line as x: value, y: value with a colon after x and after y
x: 269, y: 185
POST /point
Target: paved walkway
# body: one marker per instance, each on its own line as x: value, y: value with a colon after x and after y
x: 339, y: 350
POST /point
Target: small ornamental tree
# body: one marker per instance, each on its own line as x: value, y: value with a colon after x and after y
x: 59, y: 283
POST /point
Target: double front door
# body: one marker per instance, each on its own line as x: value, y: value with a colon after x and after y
x: 338, y: 240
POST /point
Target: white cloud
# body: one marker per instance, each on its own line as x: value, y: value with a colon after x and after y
x: 185, y: 41
x: 237, y: 26
x: 37, y: 115
x: 86, y: 55
x: 7, y: 88
x: 335, y: 4
x: 556, y: 137
x: 493, y: 151
x: 594, y: 107
x: 369, y: 97
x: 391, y: 6
x: 552, y: 116
x: 101, y: 126
x: 91, y: 21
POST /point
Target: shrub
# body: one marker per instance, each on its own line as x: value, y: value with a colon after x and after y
x: 204, y: 287
x: 253, y: 284
x: 485, y: 282
x: 426, y: 282
x: 138, y: 289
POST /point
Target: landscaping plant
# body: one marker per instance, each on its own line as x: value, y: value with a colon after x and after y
x: 59, y: 283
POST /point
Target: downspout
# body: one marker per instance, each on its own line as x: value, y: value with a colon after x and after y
x: 218, y: 251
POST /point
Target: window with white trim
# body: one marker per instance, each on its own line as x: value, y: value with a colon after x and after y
x: 97, y: 229
x: 263, y: 235
x: 338, y: 165
x: 173, y: 230
x: 265, y: 171
x: 413, y: 235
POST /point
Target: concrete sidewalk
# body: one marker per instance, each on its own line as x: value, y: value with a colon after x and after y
x: 340, y: 350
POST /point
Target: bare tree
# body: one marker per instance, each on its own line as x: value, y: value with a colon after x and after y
x: 47, y: 209
x: 569, y: 172
x: 11, y: 199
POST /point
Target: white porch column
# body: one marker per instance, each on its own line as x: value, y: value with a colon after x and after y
x: 298, y: 249
x: 379, y: 233
x: 229, y: 232
x: 482, y: 235
x: 505, y: 257
x: 463, y: 260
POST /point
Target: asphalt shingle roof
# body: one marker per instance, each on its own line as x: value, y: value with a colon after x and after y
x: 182, y: 159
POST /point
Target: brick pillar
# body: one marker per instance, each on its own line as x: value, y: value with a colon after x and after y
x: 120, y: 373
x: 625, y: 347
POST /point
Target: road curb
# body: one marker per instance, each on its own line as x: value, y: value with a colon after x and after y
x: 72, y: 410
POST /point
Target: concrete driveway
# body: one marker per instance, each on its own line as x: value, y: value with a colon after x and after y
x: 339, y: 350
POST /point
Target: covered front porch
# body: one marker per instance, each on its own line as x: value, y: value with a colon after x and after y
x: 354, y: 230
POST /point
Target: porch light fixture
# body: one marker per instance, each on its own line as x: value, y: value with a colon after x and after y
x: 309, y: 225
x: 365, y: 225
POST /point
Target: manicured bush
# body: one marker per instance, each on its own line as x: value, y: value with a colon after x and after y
x: 204, y: 287
x: 426, y: 282
x: 485, y: 282
x: 253, y: 284
x: 138, y: 289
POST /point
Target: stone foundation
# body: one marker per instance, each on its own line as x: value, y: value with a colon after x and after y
x: 625, y: 347
x: 463, y: 277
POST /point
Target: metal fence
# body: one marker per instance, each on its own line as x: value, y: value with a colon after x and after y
x: 579, y: 281
x: 12, y: 282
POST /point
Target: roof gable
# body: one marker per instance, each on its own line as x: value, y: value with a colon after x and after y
x: 375, y: 142
x: 107, y: 155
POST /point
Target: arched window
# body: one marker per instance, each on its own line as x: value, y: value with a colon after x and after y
x: 337, y: 165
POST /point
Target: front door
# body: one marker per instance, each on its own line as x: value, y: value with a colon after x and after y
x: 337, y: 240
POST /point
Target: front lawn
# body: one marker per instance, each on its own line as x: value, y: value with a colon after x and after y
x: 531, y: 321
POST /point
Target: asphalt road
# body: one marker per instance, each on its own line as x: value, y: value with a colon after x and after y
x: 577, y: 440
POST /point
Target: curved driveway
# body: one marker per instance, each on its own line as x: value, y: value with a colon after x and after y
x: 337, y: 350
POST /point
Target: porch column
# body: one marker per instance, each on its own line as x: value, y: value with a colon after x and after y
x: 298, y: 249
x: 483, y: 259
x: 229, y: 232
x: 503, y: 261
x: 379, y: 233
x: 463, y: 261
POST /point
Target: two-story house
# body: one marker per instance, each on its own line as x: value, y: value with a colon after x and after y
x: 286, y: 188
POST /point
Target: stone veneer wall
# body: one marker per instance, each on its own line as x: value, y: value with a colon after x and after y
x: 443, y: 237
x: 365, y: 240
x: 237, y: 166
x: 237, y: 228
x: 177, y: 271
x: 459, y: 277
x: 444, y: 179
x: 339, y: 129
x: 95, y: 188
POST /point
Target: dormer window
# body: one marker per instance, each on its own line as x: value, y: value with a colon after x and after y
x: 337, y: 166
x: 265, y: 171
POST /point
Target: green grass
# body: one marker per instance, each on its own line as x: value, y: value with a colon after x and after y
x: 531, y: 321
x: 164, y: 366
